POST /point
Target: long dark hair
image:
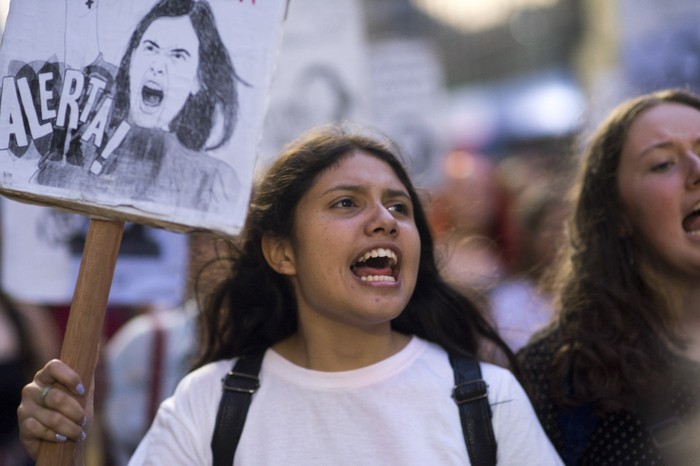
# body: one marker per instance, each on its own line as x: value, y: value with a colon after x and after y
x: 255, y: 307
x: 217, y: 94
x: 615, y: 325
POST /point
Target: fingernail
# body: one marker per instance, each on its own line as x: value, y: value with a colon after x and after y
x: 61, y: 438
x: 83, y: 422
x: 83, y: 436
x: 79, y: 389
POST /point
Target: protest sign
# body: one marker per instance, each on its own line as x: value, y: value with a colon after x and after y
x: 408, y: 93
x: 321, y: 74
x: 132, y: 110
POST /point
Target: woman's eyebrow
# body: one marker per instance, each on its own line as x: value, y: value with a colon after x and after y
x: 654, y: 146
x: 357, y: 188
x: 343, y: 187
x: 398, y: 193
x: 661, y: 145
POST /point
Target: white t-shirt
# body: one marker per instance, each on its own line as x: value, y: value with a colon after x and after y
x: 396, y: 412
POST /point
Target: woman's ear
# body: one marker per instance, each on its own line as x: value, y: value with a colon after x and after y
x: 278, y: 254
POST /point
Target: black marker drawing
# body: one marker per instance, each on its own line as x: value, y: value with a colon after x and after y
x: 143, y: 130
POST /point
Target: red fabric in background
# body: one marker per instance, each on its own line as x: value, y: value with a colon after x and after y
x: 115, y: 317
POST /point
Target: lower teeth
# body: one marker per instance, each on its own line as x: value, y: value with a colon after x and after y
x: 377, y: 278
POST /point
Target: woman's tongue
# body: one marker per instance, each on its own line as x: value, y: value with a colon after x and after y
x: 367, y: 271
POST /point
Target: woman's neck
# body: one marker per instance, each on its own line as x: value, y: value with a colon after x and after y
x: 331, y: 352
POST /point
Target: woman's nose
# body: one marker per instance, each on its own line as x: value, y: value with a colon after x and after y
x: 693, y: 180
x: 383, y: 221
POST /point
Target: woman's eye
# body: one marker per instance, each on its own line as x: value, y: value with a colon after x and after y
x: 344, y: 203
x: 400, y: 208
x: 662, y: 166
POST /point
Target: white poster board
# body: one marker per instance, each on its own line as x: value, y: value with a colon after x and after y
x: 408, y: 94
x: 135, y: 109
x: 42, y: 247
x: 321, y: 74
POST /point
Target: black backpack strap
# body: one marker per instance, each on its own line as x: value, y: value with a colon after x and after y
x: 470, y: 394
x: 238, y: 388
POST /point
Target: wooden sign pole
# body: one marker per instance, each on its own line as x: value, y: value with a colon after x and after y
x: 86, y: 318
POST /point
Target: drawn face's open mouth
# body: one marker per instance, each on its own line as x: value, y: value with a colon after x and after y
x: 151, y: 96
x: 376, y: 265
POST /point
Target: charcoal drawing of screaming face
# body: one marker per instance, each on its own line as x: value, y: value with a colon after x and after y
x: 163, y: 72
x: 177, y: 76
x: 174, y: 103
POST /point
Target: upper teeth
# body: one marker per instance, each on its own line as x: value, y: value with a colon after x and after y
x: 379, y: 252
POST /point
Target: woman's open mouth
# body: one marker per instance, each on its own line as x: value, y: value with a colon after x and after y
x: 691, y: 222
x: 151, y: 96
x: 376, y: 265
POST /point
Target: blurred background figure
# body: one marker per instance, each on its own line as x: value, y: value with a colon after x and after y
x: 28, y: 338
x: 522, y: 303
x: 468, y: 215
x: 615, y: 377
x: 143, y: 362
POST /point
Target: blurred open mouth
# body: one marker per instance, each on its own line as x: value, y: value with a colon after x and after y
x: 691, y: 222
